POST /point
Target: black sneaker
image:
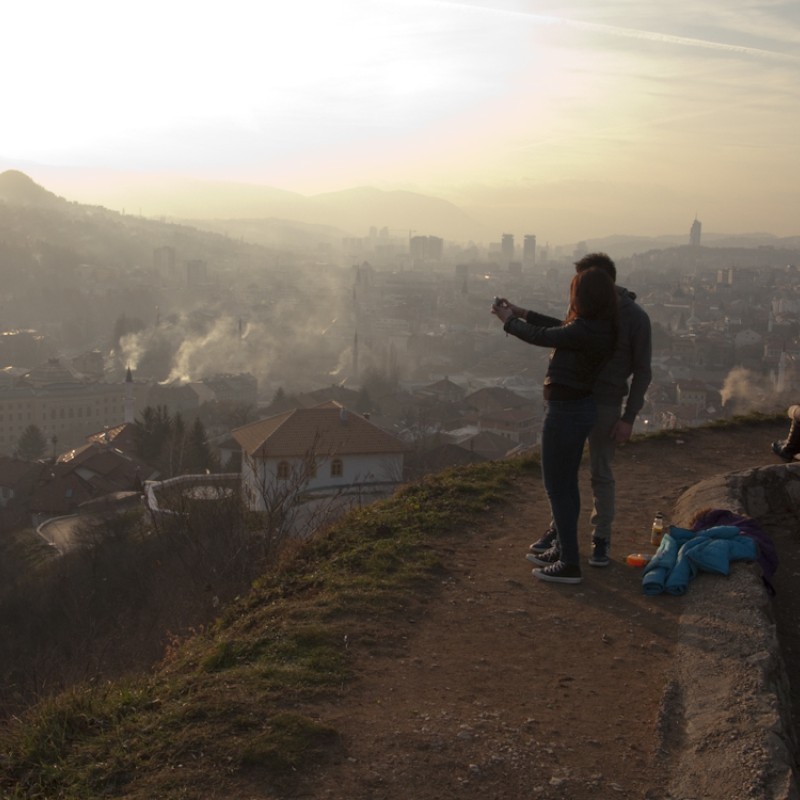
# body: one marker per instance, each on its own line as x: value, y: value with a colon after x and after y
x: 546, y: 542
x: 599, y: 556
x: 781, y: 450
x: 559, y: 573
x: 550, y: 556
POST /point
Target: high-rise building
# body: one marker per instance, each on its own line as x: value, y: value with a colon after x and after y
x: 426, y: 248
x: 529, y: 251
x: 507, y: 248
x: 694, y: 233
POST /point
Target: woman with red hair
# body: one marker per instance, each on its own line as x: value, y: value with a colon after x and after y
x: 582, y: 344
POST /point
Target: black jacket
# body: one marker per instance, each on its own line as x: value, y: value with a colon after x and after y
x: 582, y: 347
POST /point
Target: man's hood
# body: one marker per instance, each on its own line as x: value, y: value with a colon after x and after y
x: 625, y: 295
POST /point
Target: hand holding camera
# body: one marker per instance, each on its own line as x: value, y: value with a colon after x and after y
x: 502, y: 309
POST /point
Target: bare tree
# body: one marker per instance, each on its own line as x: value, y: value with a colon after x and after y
x: 286, y: 506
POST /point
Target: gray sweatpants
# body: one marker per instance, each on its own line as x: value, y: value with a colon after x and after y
x: 601, y: 455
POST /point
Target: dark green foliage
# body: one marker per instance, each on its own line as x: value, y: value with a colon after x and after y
x: 31, y: 444
x: 164, y: 442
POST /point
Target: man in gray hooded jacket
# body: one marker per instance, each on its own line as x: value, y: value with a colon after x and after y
x: 614, y: 425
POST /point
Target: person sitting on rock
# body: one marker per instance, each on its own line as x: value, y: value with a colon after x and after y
x: 789, y: 447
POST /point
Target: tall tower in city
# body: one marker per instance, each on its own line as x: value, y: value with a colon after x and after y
x: 507, y: 248
x: 129, y: 407
x: 694, y: 233
x: 529, y: 251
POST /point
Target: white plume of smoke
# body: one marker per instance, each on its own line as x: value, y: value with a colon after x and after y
x: 283, y: 349
x: 202, y: 355
x: 132, y: 346
x: 295, y: 336
x: 744, y: 390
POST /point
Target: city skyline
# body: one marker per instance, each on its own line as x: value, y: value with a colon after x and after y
x: 570, y: 121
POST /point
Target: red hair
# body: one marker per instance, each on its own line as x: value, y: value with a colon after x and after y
x: 592, y: 295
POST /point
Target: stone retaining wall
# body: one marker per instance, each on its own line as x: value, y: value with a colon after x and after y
x: 727, y: 702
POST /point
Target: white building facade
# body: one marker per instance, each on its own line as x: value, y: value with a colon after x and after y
x: 316, y: 451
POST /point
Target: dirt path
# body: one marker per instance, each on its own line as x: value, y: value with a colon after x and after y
x: 507, y: 687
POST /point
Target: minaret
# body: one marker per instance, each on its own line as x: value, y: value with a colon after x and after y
x: 355, y: 356
x: 129, y: 405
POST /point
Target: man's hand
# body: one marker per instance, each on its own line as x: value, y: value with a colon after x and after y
x: 621, y: 431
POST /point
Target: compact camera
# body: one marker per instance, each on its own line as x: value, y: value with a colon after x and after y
x: 498, y: 301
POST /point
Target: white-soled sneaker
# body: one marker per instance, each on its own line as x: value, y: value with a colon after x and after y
x: 559, y: 573
x: 544, y: 559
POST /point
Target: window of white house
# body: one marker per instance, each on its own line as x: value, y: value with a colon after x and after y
x: 336, y: 468
x: 283, y: 471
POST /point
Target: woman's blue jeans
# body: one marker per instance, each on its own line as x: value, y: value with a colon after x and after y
x: 566, y: 427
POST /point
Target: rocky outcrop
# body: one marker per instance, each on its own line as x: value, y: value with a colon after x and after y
x: 727, y: 704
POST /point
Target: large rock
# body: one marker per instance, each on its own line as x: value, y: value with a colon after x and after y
x: 727, y: 705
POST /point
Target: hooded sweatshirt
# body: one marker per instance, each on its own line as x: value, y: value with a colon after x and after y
x: 631, y: 359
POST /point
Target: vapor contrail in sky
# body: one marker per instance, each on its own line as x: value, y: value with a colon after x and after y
x: 627, y: 33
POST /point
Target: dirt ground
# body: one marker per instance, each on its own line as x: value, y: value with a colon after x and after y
x: 508, y: 687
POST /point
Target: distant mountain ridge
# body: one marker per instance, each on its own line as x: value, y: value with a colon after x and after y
x: 276, y: 217
x: 19, y: 189
x: 347, y: 213
x: 351, y: 212
x: 622, y: 246
x: 42, y: 231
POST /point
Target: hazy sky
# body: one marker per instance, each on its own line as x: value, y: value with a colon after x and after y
x: 631, y: 113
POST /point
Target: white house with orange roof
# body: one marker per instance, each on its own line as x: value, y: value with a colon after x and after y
x: 326, y: 448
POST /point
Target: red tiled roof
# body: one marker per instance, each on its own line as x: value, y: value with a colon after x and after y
x: 494, y: 397
x: 511, y: 415
x: 325, y: 429
x: 15, y: 471
x: 122, y: 436
x: 85, y: 474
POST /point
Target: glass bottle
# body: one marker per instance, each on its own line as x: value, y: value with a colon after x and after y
x: 657, y: 531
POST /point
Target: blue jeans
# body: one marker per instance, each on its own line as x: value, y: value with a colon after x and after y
x: 566, y: 426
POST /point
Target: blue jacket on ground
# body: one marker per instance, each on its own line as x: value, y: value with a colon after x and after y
x: 767, y: 552
x: 682, y: 554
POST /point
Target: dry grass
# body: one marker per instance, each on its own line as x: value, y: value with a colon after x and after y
x: 238, y: 698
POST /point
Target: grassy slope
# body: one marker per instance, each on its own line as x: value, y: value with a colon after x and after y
x: 237, y: 700
x: 232, y: 699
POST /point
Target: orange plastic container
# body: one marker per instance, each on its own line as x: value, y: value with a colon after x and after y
x: 637, y: 559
